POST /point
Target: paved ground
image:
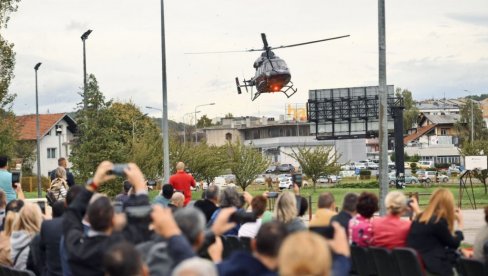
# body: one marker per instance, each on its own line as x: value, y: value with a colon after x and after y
x: 473, y: 221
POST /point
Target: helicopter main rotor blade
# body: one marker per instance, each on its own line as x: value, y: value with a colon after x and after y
x: 265, y: 41
x: 224, y: 52
x: 309, y: 42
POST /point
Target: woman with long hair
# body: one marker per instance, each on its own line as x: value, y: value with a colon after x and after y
x: 286, y: 211
x: 11, y: 213
x: 25, y: 227
x: 433, y: 234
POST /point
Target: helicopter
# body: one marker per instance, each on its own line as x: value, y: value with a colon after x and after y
x: 272, y: 74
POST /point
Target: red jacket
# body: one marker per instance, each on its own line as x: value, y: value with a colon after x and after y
x: 181, y: 181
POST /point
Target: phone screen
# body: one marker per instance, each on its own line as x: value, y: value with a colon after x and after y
x: 15, y: 177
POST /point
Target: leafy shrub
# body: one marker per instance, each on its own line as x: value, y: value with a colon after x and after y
x: 358, y: 185
x: 364, y: 174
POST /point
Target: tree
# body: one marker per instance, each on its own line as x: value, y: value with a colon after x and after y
x: 411, y: 112
x: 228, y: 116
x: 463, y: 126
x: 245, y: 162
x: 316, y: 161
x: 8, y: 128
x: 478, y: 147
x: 206, y: 162
x: 204, y: 121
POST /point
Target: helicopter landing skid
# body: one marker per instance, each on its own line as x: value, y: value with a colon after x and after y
x: 288, y: 90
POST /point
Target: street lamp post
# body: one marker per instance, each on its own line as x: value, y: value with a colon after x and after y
x: 59, y: 131
x: 196, y: 133
x: 39, y: 184
x: 472, y: 118
x: 184, y: 125
x: 165, y: 100
x: 84, y: 36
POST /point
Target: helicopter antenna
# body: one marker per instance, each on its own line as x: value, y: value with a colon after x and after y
x: 306, y: 43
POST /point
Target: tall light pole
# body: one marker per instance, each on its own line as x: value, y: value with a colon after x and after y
x: 383, y: 95
x: 59, y: 132
x: 84, y: 36
x: 472, y: 118
x: 184, y: 125
x: 196, y: 133
x: 38, y: 142
x: 165, y: 101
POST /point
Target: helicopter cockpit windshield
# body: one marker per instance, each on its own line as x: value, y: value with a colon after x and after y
x: 279, y: 64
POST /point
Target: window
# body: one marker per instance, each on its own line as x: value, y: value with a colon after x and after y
x: 444, y: 131
x: 228, y: 136
x: 51, y: 153
x: 56, y: 129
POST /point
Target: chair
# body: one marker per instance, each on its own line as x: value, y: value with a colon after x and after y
x: 472, y: 267
x: 362, y: 261
x: 408, y: 262
x: 385, y: 264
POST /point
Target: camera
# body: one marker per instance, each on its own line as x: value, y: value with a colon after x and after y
x: 118, y: 169
x: 16, y: 178
x: 242, y: 217
x: 297, y: 179
x: 151, y: 182
x: 273, y: 194
x: 324, y: 231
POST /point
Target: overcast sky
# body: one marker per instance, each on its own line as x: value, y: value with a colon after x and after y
x: 435, y: 48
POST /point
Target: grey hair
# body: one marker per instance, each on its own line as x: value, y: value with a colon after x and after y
x: 195, y: 267
x: 230, y: 198
x: 191, y: 222
x: 60, y: 172
x: 212, y: 192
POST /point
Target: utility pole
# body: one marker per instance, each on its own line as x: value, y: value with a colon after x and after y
x: 38, y: 139
x: 383, y: 95
x: 165, y: 101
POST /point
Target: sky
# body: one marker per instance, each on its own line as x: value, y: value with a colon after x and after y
x: 435, y: 48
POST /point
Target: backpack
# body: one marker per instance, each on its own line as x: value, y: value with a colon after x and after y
x: 57, y: 191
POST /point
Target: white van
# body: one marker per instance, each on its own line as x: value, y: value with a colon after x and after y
x: 425, y: 164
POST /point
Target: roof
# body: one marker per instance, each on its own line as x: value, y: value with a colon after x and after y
x: 433, y: 150
x: 420, y: 132
x: 27, y: 124
x: 443, y: 119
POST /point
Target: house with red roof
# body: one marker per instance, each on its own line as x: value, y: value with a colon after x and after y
x: 56, y: 136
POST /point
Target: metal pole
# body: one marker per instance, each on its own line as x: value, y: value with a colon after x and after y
x: 196, y: 135
x: 85, y: 102
x: 60, y: 155
x: 472, y: 122
x: 383, y: 122
x: 165, y: 101
x: 38, y: 142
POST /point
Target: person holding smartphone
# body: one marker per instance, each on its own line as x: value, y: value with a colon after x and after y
x: 6, y: 179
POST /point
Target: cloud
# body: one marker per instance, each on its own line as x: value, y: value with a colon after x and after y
x: 475, y: 19
x: 76, y: 26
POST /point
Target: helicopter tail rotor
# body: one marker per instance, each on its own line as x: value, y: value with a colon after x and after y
x: 239, y: 91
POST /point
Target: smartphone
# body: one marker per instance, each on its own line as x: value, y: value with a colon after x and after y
x: 324, y: 231
x: 151, y: 182
x: 242, y: 217
x: 16, y: 178
x: 118, y: 169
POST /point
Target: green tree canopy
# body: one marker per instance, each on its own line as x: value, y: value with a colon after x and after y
x: 463, y: 127
x: 204, y: 121
x: 316, y: 161
x: 411, y: 112
x: 245, y: 162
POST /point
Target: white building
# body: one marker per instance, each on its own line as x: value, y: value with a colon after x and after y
x: 56, y: 132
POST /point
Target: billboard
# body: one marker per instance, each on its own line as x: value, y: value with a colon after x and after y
x: 297, y: 112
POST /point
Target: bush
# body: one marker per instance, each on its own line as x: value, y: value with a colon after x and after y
x: 441, y: 166
x: 29, y: 183
x: 358, y: 185
x: 364, y: 174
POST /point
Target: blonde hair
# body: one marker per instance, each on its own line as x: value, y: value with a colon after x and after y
x: 305, y: 253
x: 286, y: 207
x: 396, y: 202
x: 8, y: 223
x: 60, y: 172
x: 29, y: 219
x: 441, y: 205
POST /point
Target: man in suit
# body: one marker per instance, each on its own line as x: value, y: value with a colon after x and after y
x: 62, y: 162
x: 50, y: 236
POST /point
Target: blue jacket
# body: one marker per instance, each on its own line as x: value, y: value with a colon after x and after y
x: 243, y: 263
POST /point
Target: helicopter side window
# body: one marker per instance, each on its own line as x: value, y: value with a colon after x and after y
x: 267, y: 66
x: 279, y: 64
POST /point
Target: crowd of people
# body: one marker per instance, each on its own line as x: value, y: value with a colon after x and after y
x: 90, y: 234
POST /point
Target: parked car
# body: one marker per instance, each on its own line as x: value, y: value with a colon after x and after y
x: 285, y: 183
x: 425, y: 164
x: 372, y: 165
x: 229, y: 178
x: 285, y: 168
x: 328, y: 179
x: 430, y: 176
x: 360, y: 166
x: 410, y: 179
x: 260, y: 180
x: 219, y: 181
x: 270, y: 169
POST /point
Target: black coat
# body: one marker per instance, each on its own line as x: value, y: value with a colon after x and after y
x: 435, y: 244
x: 51, y: 232
x: 207, y: 207
x: 343, y: 219
x: 85, y: 253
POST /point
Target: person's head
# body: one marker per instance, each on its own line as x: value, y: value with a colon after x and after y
x: 258, y: 205
x: 367, y: 204
x: 167, y: 191
x: 127, y: 185
x: 3, y: 161
x: 195, y: 267
x: 303, y: 205
x: 58, y: 208
x: 123, y: 259
x: 72, y: 194
x: 100, y: 214
x: 3, y: 199
x: 326, y: 201
x: 230, y: 198
x: 212, y: 193
x: 350, y: 202
x: 441, y: 205
x: 305, y: 253
x: 269, y: 238
x: 286, y: 207
x: 29, y: 218
x: 191, y: 222
x: 60, y: 172
x: 178, y: 199
x: 396, y: 203
x: 180, y: 166
x: 14, y: 206
x: 62, y: 162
